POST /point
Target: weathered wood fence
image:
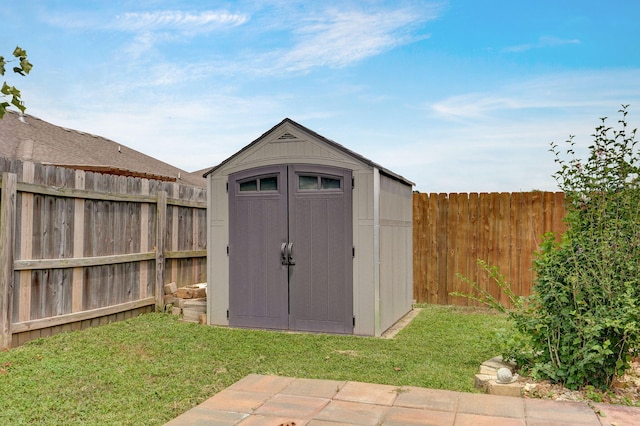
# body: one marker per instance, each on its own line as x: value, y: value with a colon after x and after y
x: 452, y: 231
x: 80, y: 248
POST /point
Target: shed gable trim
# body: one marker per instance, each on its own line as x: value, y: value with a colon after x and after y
x: 293, y: 149
x: 289, y: 135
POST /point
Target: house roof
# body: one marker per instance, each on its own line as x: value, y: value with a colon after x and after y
x: 330, y: 142
x: 28, y: 138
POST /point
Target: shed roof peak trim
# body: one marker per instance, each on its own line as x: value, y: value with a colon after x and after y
x: 297, y: 126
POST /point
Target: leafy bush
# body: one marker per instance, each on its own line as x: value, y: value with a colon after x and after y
x: 584, y: 318
x: 581, y: 325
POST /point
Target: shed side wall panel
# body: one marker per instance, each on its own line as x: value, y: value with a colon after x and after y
x: 218, y: 261
x: 396, y: 254
x: 363, y: 266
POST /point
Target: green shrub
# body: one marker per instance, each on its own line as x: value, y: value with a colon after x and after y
x: 581, y: 325
x: 584, y: 317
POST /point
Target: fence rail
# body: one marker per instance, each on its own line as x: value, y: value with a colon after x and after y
x: 79, y: 248
x: 452, y: 231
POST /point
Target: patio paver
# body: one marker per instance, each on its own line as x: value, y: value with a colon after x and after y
x: 364, y: 392
x: 617, y: 415
x: 353, y: 413
x: 491, y: 405
x: 562, y: 412
x: 293, y: 406
x: 428, y: 399
x: 315, y: 388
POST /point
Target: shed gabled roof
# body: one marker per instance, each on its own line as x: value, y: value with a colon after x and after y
x: 27, y: 138
x: 329, y: 142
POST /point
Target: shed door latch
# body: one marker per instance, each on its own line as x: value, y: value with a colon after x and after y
x: 286, y: 254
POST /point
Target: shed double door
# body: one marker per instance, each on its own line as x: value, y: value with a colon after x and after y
x: 290, y: 248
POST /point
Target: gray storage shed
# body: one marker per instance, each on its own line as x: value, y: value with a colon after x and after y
x: 305, y: 234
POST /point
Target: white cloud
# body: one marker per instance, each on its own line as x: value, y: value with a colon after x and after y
x: 472, y: 106
x: 152, y: 28
x: 543, y: 42
x: 341, y: 38
x: 178, y: 20
x: 144, y: 22
x: 576, y: 91
x: 335, y: 38
x: 311, y: 36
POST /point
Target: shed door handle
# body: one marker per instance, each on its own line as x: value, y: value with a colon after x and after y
x: 283, y: 254
x: 290, y: 254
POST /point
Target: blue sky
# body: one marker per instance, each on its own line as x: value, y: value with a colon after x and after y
x: 457, y: 96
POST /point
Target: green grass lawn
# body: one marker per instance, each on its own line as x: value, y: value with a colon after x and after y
x: 150, y: 369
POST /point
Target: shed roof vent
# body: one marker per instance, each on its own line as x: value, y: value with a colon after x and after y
x: 287, y: 136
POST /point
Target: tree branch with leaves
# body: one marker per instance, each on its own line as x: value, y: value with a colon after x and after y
x: 10, y: 95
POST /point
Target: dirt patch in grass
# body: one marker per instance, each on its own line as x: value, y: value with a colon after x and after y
x: 348, y: 352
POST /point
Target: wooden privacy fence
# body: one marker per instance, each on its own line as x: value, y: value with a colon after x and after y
x: 80, y: 248
x: 452, y: 231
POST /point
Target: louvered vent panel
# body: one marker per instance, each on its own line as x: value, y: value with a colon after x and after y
x: 287, y: 136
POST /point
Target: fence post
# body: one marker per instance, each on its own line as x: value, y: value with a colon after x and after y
x: 78, y: 244
x: 7, y: 230
x: 161, y: 232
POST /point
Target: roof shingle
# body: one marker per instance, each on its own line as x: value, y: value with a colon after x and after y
x: 28, y: 138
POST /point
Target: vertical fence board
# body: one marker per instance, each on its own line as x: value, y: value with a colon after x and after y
x: 420, y: 246
x: 519, y: 210
x: 152, y: 225
x: 160, y: 249
x: 144, y: 240
x: 559, y: 211
x: 524, y: 246
x: 450, y: 251
x: 78, y: 243
x: 432, y: 254
x: 493, y: 238
x: 418, y: 280
x: 548, y: 199
x: 504, y: 239
x: 537, y: 225
x: 474, y: 235
x: 195, y: 226
x: 513, y: 274
x: 8, y: 195
x: 26, y: 245
x: 483, y: 238
x: 463, y: 248
x: 173, y: 240
x: 441, y: 249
